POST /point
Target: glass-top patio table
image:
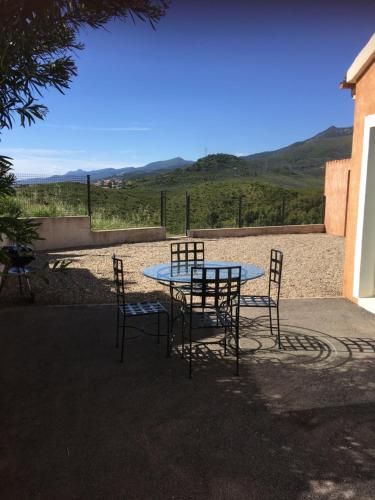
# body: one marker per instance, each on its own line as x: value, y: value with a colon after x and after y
x: 177, y: 276
x: 180, y: 272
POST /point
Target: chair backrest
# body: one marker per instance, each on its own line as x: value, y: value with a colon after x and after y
x: 118, y: 279
x: 214, y: 285
x: 192, y: 250
x: 276, y: 267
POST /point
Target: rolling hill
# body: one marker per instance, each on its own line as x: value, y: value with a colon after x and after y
x: 298, y: 165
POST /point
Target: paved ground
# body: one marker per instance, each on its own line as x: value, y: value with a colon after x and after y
x: 313, y: 266
x: 297, y: 424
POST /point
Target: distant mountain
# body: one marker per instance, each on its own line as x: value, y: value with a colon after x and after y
x: 177, y: 162
x: 300, y: 164
x: 107, y: 173
x: 99, y: 174
x: 331, y: 144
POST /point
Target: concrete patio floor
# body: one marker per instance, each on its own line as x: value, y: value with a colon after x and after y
x: 297, y: 424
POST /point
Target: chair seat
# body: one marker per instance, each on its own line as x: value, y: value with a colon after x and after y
x: 257, y: 301
x: 142, y: 308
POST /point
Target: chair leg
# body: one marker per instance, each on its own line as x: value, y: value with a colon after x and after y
x: 168, y: 337
x: 270, y: 315
x: 190, y: 351
x: 158, y: 337
x: 237, y: 341
x: 278, y: 326
x: 171, y: 297
x: 4, y: 278
x: 182, y: 336
x: 117, y: 327
x: 225, y: 341
x: 123, y: 341
x: 20, y: 283
x: 29, y: 289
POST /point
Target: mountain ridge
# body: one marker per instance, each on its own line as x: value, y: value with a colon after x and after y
x: 105, y: 173
x: 300, y: 164
x: 302, y: 158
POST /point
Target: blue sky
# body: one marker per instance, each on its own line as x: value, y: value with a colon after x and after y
x: 237, y: 77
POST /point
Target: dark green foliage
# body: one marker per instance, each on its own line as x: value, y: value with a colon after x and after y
x: 7, y: 178
x: 21, y: 231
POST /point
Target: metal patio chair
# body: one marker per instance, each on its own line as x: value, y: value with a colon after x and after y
x: 181, y: 254
x: 270, y: 301
x: 214, y: 293
x: 187, y: 251
x: 126, y: 310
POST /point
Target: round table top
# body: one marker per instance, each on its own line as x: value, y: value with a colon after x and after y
x: 180, y: 272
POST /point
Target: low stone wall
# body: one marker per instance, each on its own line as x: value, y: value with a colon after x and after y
x: 75, y: 232
x: 133, y: 235
x: 232, y: 232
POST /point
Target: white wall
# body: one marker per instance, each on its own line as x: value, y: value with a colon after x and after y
x: 364, y: 269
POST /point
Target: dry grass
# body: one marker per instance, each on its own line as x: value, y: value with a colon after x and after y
x: 312, y: 267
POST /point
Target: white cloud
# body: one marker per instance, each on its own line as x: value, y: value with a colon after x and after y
x: 41, y: 152
x: 41, y: 162
x: 100, y: 129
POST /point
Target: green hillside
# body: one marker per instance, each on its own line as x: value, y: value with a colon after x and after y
x: 299, y: 165
x: 213, y: 204
x: 277, y: 187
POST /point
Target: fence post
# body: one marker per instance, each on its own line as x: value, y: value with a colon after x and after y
x: 88, y: 183
x: 240, y: 210
x: 323, y: 208
x: 187, y: 213
x: 283, y: 211
x: 163, y: 208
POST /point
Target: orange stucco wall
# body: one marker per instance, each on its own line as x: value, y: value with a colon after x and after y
x: 364, y: 106
x: 335, y: 190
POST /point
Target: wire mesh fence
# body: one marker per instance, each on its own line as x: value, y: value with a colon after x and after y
x: 120, y: 205
x: 46, y: 196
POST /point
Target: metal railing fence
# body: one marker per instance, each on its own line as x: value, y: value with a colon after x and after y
x: 114, y: 205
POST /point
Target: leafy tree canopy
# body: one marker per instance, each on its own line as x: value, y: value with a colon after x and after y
x: 37, y: 42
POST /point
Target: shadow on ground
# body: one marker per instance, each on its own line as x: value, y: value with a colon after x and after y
x: 297, y: 424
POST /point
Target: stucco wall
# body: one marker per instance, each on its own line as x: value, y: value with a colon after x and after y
x: 364, y: 106
x: 232, y: 232
x: 74, y: 232
x: 336, y: 190
x: 364, y: 270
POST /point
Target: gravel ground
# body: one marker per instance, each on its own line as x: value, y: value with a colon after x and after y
x: 312, y: 268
